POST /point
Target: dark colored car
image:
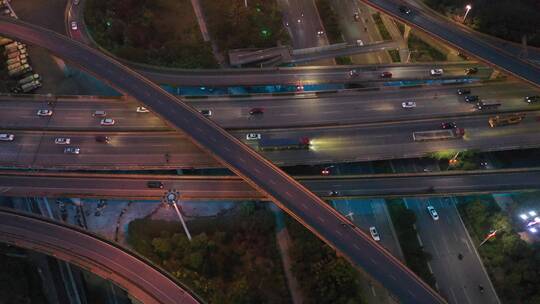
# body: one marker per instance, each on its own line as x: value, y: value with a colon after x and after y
x: 103, y: 139
x: 471, y: 71
x: 448, y: 125
x: 405, y: 10
x: 256, y: 111
x: 531, y: 99
x: 471, y: 98
x: 463, y: 91
x: 386, y: 75
x: 155, y: 184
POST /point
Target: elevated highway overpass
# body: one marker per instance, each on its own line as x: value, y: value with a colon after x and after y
x: 288, y: 194
x: 139, y: 277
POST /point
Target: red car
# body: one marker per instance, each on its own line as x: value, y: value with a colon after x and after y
x: 256, y: 111
x: 386, y: 75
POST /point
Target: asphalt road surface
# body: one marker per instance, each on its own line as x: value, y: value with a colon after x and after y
x: 63, y: 184
x: 283, y: 190
x: 169, y: 149
x: 463, y: 40
x: 445, y: 239
x: 137, y: 276
x: 300, y: 110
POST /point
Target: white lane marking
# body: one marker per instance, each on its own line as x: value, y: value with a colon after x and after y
x: 305, y: 206
x: 227, y: 149
x: 242, y: 160
x: 453, y: 295
x: 288, y: 194
x: 356, y: 246
x: 392, y: 277
x: 320, y: 219
x: 338, y: 232
x: 199, y: 129
x: 373, y: 261
x: 272, y: 182
x: 257, y: 170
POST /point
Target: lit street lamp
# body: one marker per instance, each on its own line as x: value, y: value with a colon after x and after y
x: 468, y: 8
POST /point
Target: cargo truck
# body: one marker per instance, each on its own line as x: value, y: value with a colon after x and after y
x: 504, y: 120
x: 269, y: 144
x: 14, y: 54
x: 14, y: 46
x: 16, y: 60
x: 25, y: 68
x: 439, y: 134
x: 29, y: 79
x: 28, y: 87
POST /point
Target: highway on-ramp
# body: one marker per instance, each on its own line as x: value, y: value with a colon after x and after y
x: 137, y: 276
x: 287, y: 193
x: 461, y: 39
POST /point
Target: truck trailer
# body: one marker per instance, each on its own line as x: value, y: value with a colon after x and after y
x: 439, y: 134
x: 269, y: 144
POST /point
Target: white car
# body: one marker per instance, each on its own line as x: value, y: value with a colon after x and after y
x: 44, y: 112
x: 253, y: 136
x: 433, y: 213
x: 107, y: 122
x: 72, y: 150
x: 74, y: 25
x: 76, y: 2
x: 320, y: 32
x: 7, y: 137
x: 408, y: 104
x: 436, y: 72
x: 62, y: 141
x: 374, y: 233
x: 142, y: 110
x: 359, y: 42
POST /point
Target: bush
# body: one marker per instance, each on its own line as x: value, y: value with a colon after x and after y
x: 228, y: 259
x: 159, y: 32
x: 421, y: 51
x: 507, y: 19
x: 513, y: 265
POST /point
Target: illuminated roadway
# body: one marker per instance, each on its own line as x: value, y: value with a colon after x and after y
x: 138, y: 150
x: 137, y: 276
x: 290, y: 195
x: 461, y: 39
x: 133, y: 186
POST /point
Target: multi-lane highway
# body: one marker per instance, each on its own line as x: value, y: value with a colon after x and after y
x: 462, y: 39
x: 142, y: 280
x: 61, y: 184
x: 150, y: 149
x: 288, y: 194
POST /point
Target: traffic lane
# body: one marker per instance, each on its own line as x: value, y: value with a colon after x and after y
x: 293, y: 76
x: 445, y: 239
x: 137, y: 151
x: 366, y: 213
x: 469, y: 43
x: 301, y: 110
x: 76, y: 114
x: 141, y: 280
x: 283, y: 190
x: 149, y: 150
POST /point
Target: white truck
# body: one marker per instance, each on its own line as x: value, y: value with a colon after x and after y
x: 454, y: 133
x: 29, y: 78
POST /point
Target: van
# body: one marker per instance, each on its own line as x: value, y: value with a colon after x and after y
x: 155, y: 185
x: 99, y: 113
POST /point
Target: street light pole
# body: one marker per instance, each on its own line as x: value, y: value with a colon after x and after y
x: 245, y: 3
x: 468, y: 8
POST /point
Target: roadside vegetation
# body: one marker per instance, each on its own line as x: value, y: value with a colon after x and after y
x: 382, y: 28
x: 324, y: 277
x: 157, y: 32
x: 465, y: 160
x: 506, y: 19
x: 422, y: 51
x: 415, y: 257
x: 232, y: 258
x: 233, y: 26
x: 513, y: 264
x: 330, y: 21
x: 19, y: 279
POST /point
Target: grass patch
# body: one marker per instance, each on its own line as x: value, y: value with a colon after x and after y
x: 394, y: 54
x: 323, y: 276
x: 158, y: 32
x: 382, y: 28
x: 228, y: 260
x: 423, y: 52
x: 330, y: 21
x: 344, y: 60
x: 513, y: 265
x: 415, y: 257
x: 233, y: 26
